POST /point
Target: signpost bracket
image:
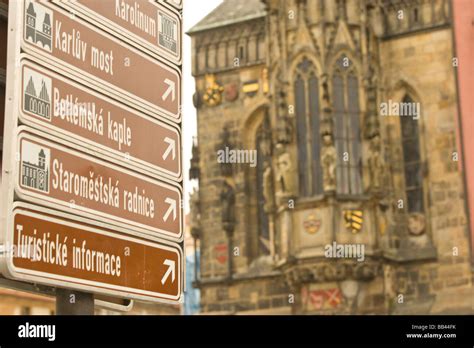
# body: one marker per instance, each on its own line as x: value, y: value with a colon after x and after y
x: 104, y: 304
x: 27, y: 287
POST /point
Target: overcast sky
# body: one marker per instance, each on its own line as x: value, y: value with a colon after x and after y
x: 193, y: 12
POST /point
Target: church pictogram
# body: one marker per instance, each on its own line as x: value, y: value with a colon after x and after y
x: 35, y: 167
x: 168, y: 32
x: 36, y: 31
x: 37, y: 94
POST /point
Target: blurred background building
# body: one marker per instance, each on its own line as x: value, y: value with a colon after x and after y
x: 305, y: 83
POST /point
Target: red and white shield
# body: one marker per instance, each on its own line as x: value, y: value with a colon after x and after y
x: 334, y: 297
x: 317, y: 298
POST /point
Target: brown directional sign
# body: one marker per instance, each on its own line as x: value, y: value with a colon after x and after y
x: 65, y: 252
x: 76, y: 113
x: 91, y: 168
x: 51, y: 174
x: 144, y: 22
x: 100, y: 60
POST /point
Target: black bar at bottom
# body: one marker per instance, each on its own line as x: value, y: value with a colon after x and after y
x: 136, y: 331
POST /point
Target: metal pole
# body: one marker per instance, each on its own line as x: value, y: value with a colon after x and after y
x: 74, y: 302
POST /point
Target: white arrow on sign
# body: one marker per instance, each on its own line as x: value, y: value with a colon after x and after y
x: 172, y: 208
x: 171, y: 148
x: 171, y: 270
x: 171, y: 90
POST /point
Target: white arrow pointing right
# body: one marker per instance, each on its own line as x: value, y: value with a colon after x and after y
x: 171, y: 270
x: 171, y: 209
x: 171, y: 148
x: 171, y: 90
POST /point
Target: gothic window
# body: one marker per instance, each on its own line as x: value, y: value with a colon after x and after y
x: 412, y: 161
x: 241, y: 53
x: 263, y: 144
x: 347, y: 128
x: 306, y: 88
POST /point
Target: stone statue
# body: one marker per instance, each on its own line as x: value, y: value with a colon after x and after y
x: 284, y: 130
x: 328, y: 161
x: 376, y: 164
x: 378, y: 21
x: 286, y: 174
x: 225, y: 166
x: 371, y: 122
x: 326, y: 120
x: 227, y: 197
x: 326, y: 99
x: 268, y: 191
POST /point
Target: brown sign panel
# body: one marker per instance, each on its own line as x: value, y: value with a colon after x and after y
x: 142, y: 22
x: 53, y: 175
x: 75, y: 113
x: 64, y: 252
x: 99, y: 59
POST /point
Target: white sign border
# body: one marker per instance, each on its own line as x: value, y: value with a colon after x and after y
x: 13, y: 85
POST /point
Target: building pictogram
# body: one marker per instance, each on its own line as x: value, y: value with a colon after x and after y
x: 37, y: 103
x: 35, y: 175
x: 39, y: 36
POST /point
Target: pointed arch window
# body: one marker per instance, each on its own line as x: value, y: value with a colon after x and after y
x: 306, y: 91
x: 347, y: 128
x: 412, y: 162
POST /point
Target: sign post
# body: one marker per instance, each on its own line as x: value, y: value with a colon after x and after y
x: 74, y: 303
x: 92, y: 176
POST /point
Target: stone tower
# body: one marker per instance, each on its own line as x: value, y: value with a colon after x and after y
x: 42, y: 159
x: 355, y: 204
x: 47, y: 24
x: 31, y: 22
